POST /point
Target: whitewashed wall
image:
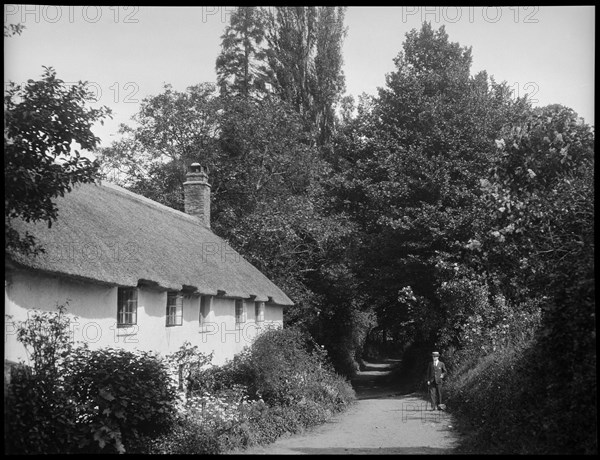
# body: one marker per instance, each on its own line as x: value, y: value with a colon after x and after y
x: 93, y: 308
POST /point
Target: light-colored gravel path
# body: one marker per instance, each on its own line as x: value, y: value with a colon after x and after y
x: 382, y: 421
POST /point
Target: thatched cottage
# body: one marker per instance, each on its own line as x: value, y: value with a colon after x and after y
x: 137, y: 274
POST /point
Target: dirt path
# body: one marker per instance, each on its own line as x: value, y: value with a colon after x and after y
x: 384, y: 420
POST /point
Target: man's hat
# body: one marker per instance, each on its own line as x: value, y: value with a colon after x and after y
x: 435, y: 353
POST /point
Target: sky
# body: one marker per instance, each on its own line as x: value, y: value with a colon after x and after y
x: 128, y: 53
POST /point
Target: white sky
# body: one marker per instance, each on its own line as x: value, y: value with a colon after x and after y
x: 127, y: 53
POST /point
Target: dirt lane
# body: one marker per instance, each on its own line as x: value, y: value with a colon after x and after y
x: 382, y: 421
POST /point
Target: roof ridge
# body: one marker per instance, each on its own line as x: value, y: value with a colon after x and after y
x: 151, y: 203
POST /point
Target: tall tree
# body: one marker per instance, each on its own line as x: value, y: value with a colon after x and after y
x: 293, y: 53
x: 409, y: 169
x: 291, y: 38
x: 44, y: 120
x: 240, y: 66
x: 329, y: 80
x: 304, y: 62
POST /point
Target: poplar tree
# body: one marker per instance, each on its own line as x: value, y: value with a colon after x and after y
x: 240, y: 66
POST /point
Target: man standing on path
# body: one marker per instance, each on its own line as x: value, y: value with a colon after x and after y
x: 436, y: 371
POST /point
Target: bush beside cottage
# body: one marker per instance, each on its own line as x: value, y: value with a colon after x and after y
x: 75, y: 400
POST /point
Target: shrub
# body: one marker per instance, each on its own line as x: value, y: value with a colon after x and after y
x: 283, y: 367
x: 289, y: 367
x: 75, y: 400
x: 512, y: 401
x: 40, y: 418
x: 218, y: 379
x: 187, y: 436
x: 40, y: 415
x: 186, y: 361
x: 478, y: 323
x: 282, y: 383
x: 125, y: 397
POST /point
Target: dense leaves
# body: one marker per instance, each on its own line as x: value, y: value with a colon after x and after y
x: 40, y: 417
x: 539, y: 201
x: 540, y: 243
x: 410, y: 167
x: 80, y: 401
x: 45, y: 120
x: 282, y: 367
x: 76, y: 400
x: 282, y: 383
x: 441, y: 212
x: 124, y: 397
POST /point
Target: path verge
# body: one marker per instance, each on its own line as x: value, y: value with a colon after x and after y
x: 383, y: 420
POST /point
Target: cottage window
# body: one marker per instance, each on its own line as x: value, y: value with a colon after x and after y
x: 174, y: 309
x: 240, y: 316
x: 205, y: 305
x: 259, y: 311
x: 126, y: 307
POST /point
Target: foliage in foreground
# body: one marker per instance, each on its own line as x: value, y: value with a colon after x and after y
x: 539, y: 251
x: 76, y: 400
x: 42, y: 121
x: 282, y: 383
x: 503, y: 406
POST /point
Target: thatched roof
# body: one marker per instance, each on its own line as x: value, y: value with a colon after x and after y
x: 107, y: 234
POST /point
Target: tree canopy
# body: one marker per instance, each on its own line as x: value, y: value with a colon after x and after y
x: 45, y: 120
x: 439, y: 201
x: 411, y: 162
x: 291, y: 53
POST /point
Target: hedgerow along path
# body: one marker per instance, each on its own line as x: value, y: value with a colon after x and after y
x: 384, y: 420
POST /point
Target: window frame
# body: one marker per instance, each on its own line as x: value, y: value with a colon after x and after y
x: 127, y: 303
x: 259, y: 311
x: 174, y: 312
x: 240, y: 317
x: 205, y: 304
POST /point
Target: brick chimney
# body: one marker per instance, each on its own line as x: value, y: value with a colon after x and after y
x: 196, y: 191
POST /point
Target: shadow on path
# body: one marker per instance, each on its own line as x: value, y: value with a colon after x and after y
x: 381, y: 379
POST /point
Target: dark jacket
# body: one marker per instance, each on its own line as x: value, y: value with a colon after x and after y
x: 434, y: 373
